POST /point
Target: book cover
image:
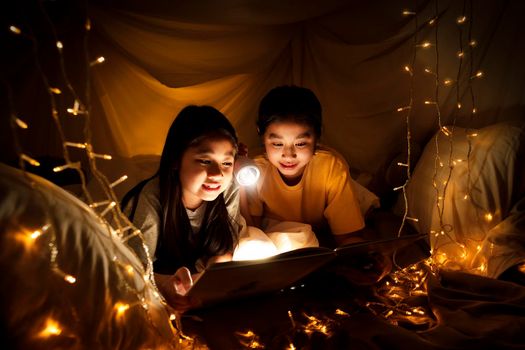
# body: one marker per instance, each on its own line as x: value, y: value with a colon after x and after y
x: 236, y: 279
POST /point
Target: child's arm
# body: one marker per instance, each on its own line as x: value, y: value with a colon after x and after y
x: 244, y: 206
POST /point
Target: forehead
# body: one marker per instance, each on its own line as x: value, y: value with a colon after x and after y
x: 215, y: 145
x: 288, y: 129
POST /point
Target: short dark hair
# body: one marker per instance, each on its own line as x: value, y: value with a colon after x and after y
x: 290, y: 103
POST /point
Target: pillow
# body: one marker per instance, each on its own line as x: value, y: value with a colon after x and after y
x: 93, y: 296
x: 478, y: 224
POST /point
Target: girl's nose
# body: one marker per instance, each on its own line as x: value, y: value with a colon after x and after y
x: 214, y: 171
x: 289, y: 152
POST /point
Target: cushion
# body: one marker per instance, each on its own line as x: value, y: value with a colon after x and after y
x: 67, y: 280
x: 476, y: 218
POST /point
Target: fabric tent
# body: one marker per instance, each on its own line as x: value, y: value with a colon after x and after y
x: 162, y: 55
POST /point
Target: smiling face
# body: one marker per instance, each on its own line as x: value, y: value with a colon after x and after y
x: 289, y: 147
x: 206, y: 171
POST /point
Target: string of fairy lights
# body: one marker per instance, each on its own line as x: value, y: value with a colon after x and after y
x: 394, y: 294
x: 402, y: 287
x: 120, y: 228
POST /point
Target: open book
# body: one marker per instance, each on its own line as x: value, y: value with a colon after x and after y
x: 235, y: 279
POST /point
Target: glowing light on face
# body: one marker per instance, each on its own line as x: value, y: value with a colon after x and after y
x: 206, y: 171
x: 289, y: 147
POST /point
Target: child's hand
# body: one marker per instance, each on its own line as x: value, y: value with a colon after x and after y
x: 175, y: 287
x: 182, y: 280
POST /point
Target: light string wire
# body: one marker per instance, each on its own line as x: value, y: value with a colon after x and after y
x: 117, y: 214
x: 446, y: 229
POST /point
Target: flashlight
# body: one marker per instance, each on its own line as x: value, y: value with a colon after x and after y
x: 246, y: 172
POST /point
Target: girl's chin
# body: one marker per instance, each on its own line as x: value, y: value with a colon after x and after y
x: 208, y: 197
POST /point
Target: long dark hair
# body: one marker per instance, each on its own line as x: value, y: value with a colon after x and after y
x: 177, y: 245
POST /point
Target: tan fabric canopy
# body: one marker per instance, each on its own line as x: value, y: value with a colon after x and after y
x: 161, y: 56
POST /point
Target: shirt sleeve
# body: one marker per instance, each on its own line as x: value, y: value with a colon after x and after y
x: 231, y: 199
x: 148, y: 220
x: 342, y: 211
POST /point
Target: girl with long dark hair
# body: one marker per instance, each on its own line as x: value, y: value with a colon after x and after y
x: 188, y: 211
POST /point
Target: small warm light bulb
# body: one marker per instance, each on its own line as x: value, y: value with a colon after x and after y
x: 447, y: 82
x: 99, y: 60
x: 432, y: 21
x: 108, y: 208
x: 427, y: 102
x: 55, y: 90
x: 488, y: 217
x: 460, y: 54
x: 98, y: 204
x: 51, y: 328
x: 15, y: 30
x: 121, y: 308
x: 88, y: 24
x: 30, y: 160
x: 473, y: 43
x: 119, y: 181
x: 461, y: 20
x: 446, y: 131
x: 60, y: 46
x: 76, y: 144
x: 75, y: 109
x: 407, y: 69
x: 103, y: 156
x: 408, y: 13
x: 459, y: 105
x: 75, y: 165
x: 21, y: 124
x: 341, y: 312
x: 425, y: 44
x: 400, y: 109
x: 474, y: 110
x: 173, y: 317
x: 37, y: 233
x: 479, y: 74
x: 70, y: 279
x: 129, y: 269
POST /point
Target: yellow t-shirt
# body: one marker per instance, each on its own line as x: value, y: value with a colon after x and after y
x: 324, y: 196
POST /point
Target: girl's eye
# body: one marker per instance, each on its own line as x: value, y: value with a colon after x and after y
x: 227, y: 164
x: 204, y: 161
x: 301, y: 144
x: 275, y: 144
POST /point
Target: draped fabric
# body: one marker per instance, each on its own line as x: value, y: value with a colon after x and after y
x: 162, y: 55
